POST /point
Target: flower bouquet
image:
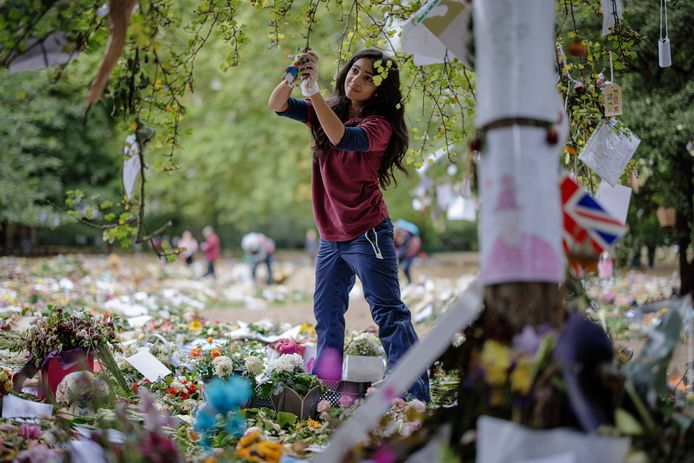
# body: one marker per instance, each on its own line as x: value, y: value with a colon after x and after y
x: 61, y: 342
x: 290, y: 387
x: 82, y: 393
x: 364, y: 359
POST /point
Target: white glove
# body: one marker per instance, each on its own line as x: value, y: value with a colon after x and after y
x: 308, y: 70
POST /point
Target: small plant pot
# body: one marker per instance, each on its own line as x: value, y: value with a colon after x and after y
x: 363, y: 369
x: 59, y: 367
x: 290, y: 401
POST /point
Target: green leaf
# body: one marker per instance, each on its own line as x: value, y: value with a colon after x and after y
x: 286, y: 419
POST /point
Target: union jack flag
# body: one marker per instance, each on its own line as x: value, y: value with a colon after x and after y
x: 588, y: 228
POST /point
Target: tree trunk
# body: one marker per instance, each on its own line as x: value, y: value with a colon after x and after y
x: 683, y: 224
x: 522, y: 127
x: 520, y: 304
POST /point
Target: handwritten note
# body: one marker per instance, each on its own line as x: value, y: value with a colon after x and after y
x: 613, y: 100
x: 609, y: 149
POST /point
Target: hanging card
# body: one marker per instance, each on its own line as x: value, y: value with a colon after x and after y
x: 131, y: 169
x: 611, y: 10
x: 613, y: 100
x: 609, y: 149
x: 614, y: 199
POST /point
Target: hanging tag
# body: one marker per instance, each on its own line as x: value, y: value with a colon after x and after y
x: 664, y: 58
x: 613, y: 100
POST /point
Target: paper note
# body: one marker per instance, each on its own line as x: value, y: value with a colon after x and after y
x: 615, y: 200
x: 609, y: 149
x: 462, y: 209
x: 438, y: 28
x: 562, y: 458
x: 14, y: 407
x: 613, y: 100
x: 86, y: 451
x: 148, y: 365
x: 611, y: 9
x: 522, y: 445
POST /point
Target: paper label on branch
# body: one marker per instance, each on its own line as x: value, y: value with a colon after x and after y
x: 438, y: 26
x: 462, y: 209
x: 613, y: 100
x: 609, y: 149
x: 131, y: 169
x: 615, y: 200
x: 611, y: 10
x: 53, y: 49
x: 147, y: 364
x: 14, y: 407
x: 522, y: 445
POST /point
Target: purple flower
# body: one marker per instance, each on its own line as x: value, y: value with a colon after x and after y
x: 384, y: 455
x: 29, y: 431
x: 527, y: 342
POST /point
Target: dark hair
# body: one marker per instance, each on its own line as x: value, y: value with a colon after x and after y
x: 386, y: 102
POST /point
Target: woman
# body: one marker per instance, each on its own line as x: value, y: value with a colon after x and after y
x: 360, y: 139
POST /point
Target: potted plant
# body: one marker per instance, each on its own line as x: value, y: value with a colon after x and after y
x: 290, y: 387
x: 63, y: 341
x: 364, y: 359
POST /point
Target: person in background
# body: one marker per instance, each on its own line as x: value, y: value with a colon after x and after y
x: 212, y: 248
x: 258, y: 248
x: 189, y: 245
x: 408, y: 245
x: 311, y: 245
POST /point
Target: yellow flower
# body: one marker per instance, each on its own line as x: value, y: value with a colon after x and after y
x: 211, y: 460
x: 307, y: 329
x: 521, y: 379
x: 495, y: 360
x: 195, y: 325
x: 313, y: 424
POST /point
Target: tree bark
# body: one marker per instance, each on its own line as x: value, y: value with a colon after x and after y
x: 683, y: 224
x: 522, y: 303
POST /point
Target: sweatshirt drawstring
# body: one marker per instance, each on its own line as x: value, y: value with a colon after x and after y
x: 374, y: 244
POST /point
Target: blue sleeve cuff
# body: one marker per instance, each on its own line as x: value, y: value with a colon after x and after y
x: 296, y: 109
x: 354, y: 139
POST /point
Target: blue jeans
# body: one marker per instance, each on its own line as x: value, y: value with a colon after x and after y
x: 372, y: 258
x: 268, y: 263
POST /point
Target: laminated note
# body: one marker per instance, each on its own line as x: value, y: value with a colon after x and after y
x: 615, y: 200
x: 609, y: 149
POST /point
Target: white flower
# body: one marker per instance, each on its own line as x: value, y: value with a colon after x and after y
x: 176, y: 385
x: 188, y: 405
x: 288, y: 363
x: 254, y: 366
x: 223, y: 366
x: 458, y: 340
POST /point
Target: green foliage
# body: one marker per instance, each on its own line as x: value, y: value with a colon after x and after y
x: 48, y: 149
